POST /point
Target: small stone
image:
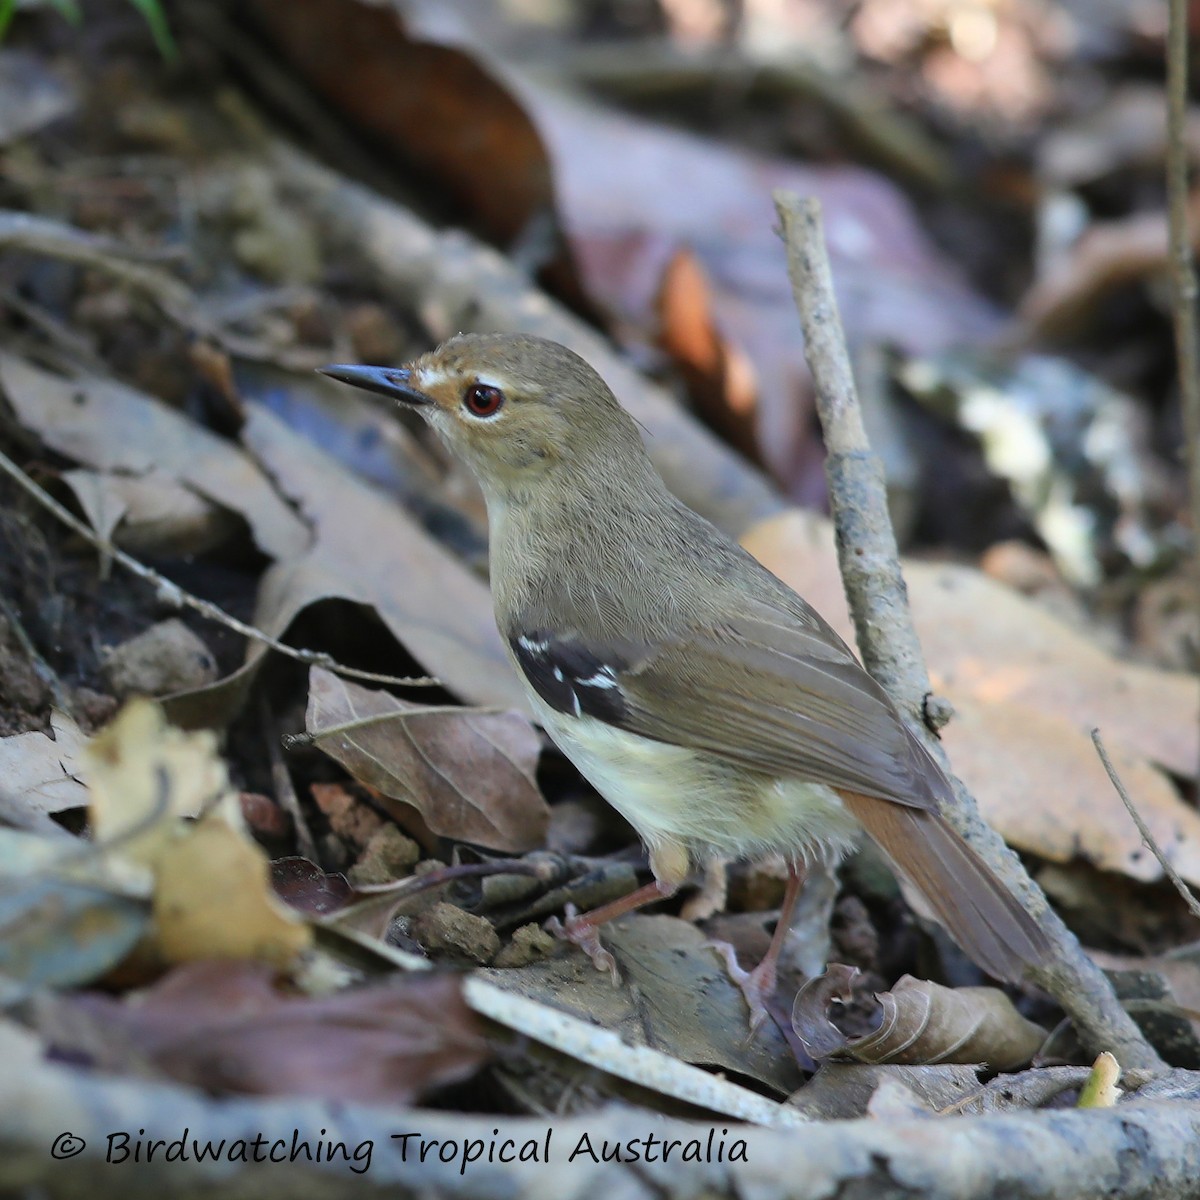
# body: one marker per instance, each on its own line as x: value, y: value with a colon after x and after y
x: 450, y: 930
x: 530, y: 943
x: 167, y: 657
x: 388, y: 855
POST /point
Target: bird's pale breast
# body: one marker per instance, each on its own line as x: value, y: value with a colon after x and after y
x: 676, y: 796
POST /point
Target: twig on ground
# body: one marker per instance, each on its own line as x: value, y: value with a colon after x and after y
x: 412, y: 885
x: 171, y: 593
x: 659, y: 68
x: 1147, y: 837
x: 887, y: 639
x: 1183, y: 271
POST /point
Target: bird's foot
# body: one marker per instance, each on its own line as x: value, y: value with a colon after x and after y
x: 757, y: 986
x: 585, y: 934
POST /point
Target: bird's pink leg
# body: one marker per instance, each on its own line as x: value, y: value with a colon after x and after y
x: 669, y: 863
x: 758, y: 985
x: 582, y: 930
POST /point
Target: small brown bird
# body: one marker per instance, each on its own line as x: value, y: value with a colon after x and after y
x: 704, y: 699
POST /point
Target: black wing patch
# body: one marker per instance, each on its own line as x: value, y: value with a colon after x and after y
x: 571, y: 678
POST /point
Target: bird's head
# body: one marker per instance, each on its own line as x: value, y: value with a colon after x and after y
x: 516, y: 409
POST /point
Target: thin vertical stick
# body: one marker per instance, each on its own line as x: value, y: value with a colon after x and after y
x: 891, y: 650
x: 1183, y: 272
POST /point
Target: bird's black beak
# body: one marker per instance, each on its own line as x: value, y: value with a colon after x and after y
x: 394, y: 382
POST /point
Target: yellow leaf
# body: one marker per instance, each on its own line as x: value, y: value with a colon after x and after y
x: 212, y: 889
x: 213, y: 897
x: 142, y: 774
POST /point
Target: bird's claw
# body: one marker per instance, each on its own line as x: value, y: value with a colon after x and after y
x: 757, y: 986
x: 582, y: 933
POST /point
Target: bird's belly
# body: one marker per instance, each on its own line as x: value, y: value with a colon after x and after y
x: 708, y: 805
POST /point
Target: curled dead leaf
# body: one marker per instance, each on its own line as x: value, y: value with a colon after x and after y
x: 920, y: 1023
x: 65, y: 919
x: 469, y: 774
x: 143, y: 773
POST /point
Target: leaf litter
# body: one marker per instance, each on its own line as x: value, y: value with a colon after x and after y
x: 165, y: 856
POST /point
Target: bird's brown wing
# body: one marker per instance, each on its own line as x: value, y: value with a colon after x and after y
x: 782, y: 695
x: 761, y: 688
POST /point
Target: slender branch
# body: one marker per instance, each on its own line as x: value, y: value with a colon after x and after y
x: 411, y: 885
x: 1147, y: 837
x: 171, y: 593
x: 887, y: 639
x: 1183, y: 273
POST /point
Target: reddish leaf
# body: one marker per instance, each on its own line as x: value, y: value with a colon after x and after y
x: 304, y: 886
x: 225, y: 1027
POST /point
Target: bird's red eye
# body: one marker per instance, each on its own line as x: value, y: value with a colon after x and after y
x: 483, y: 400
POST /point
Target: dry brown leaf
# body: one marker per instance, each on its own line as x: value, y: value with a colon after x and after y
x: 1027, y: 690
x: 985, y: 642
x: 308, y: 889
x: 720, y: 378
x: 1039, y: 782
x: 370, y: 551
x: 224, y: 1027
x: 840, y: 1091
x: 470, y: 775
x: 1109, y: 255
x: 920, y: 1022
x: 40, y: 775
x: 110, y: 427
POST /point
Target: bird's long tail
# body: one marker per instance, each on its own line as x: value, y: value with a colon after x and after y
x: 979, y: 912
